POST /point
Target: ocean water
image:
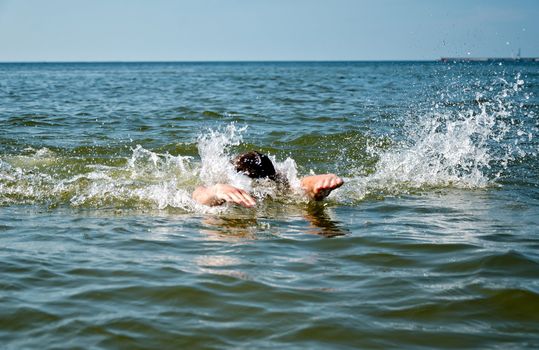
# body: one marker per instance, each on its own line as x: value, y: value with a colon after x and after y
x: 432, y: 242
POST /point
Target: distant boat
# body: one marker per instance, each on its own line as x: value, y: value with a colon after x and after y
x: 489, y: 59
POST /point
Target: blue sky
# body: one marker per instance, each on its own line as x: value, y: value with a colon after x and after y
x: 228, y: 30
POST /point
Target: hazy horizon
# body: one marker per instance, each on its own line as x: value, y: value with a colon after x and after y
x: 266, y: 61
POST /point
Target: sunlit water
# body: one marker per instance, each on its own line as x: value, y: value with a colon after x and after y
x: 431, y: 243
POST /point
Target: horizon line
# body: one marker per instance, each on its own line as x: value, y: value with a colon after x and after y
x: 221, y: 61
x: 439, y: 59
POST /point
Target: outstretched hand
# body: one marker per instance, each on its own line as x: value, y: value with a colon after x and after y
x: 221, y: 193
x: 318, y: 187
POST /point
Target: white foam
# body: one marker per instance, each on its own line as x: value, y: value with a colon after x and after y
x: 442, y: 148
x: 449, y: 148
x: 213, y: 148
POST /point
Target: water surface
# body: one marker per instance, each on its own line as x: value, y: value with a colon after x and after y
x: 431, y: 243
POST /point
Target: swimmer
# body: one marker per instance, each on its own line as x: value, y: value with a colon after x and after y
x: 258, y: 166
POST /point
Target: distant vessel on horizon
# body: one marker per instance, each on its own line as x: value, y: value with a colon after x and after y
x: 489, y: 59
x: 518, y: 58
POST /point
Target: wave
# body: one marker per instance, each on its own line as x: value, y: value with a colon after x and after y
x: 470, y: 147
x: 467, y: 148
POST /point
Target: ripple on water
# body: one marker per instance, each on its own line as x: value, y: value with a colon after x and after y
x: 433, y: 241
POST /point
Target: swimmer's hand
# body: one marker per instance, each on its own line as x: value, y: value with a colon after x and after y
x: 318, y: 187
x: 221, y: 193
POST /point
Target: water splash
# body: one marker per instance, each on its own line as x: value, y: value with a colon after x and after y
x: 470, y: 147
x: 466, y: 148
x: 147, y: 179
x: 214, y: 150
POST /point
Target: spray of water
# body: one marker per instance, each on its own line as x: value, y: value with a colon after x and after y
x: 146, y: 179
x: 464, y: 148
x: 215, y: 149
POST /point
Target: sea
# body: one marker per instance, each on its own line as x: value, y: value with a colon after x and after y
x: 431, y: 243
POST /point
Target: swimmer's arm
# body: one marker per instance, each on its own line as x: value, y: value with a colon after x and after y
x: 318, y: 187
x: 221, y: 193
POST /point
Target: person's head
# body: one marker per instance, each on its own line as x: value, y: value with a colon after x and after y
x: 255, y: 165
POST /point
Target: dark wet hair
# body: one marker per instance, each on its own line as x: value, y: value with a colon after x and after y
x: 255, y: 165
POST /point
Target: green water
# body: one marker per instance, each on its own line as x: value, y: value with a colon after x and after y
x: 431, y: 243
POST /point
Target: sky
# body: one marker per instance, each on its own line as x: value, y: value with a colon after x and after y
x: 265, y: 30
